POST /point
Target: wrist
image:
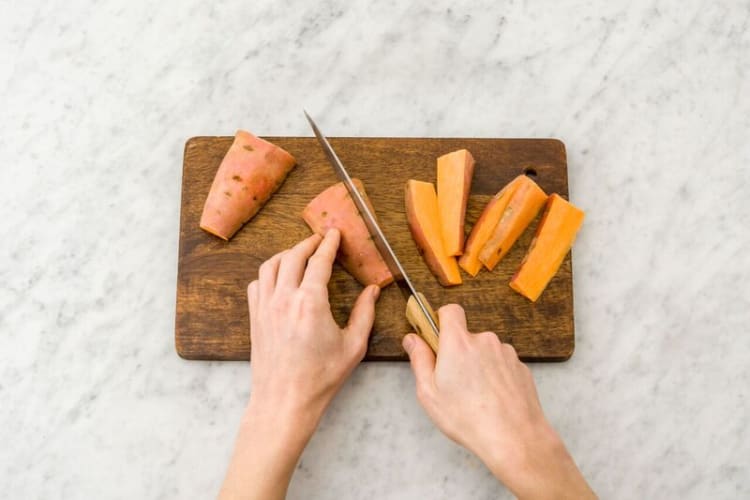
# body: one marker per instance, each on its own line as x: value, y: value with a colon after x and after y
x: 538, y: 466
x: 290, y: 424
x: 270, y: 441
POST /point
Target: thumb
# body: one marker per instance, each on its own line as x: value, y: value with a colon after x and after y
x: 421, y: 357
x: 363, y: 313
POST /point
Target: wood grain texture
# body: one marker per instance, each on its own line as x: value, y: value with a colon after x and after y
x: 212, y: 317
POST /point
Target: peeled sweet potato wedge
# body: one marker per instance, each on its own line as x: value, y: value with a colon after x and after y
x: 251, y: 171
x: 454, y: 173
x: 485, y: 225
x: 358, y: 254
x: 424, y: 223
x: 554, y: 237
x: 525, y: 203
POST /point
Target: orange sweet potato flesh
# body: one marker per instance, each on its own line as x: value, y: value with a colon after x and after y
x: 525, y: 203
x: 251, y: 171
x: 485, y: 225
x: 454, y: 173
x: 358, y: 254
x: 552, y: 241
x: 424, y: 223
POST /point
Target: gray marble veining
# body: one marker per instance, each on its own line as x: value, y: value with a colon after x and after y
x: 97, y: 99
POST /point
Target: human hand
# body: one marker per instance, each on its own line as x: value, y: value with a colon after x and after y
x: 300, y: 356
x: 481, y: 396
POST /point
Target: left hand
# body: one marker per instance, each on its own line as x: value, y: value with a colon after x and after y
x: 300, y: 356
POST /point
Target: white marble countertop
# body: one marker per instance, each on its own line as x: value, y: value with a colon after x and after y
x: 98, y: 98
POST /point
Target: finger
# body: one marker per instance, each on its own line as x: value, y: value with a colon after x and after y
x: 363, y: 316
x: 252, y: 304
x: 293, y: 263
x: 422, y: 361
x: 452, y: 316
x: 320, y: 265
x: 452, y: 323
x: 267, y: 274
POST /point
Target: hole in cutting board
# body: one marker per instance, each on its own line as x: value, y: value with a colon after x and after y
x: 530, y: 172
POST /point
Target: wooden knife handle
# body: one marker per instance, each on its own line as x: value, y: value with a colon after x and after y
x: 419, y: 321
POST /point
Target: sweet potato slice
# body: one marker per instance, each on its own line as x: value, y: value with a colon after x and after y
x: 251, y: 171
x: 554, y: 237
x: 454, y: 173
x: 358, y: 254
x: 424, y: 223
x: 528, y: 198
x: 485, y: 225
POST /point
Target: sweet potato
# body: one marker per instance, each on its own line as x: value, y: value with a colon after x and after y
x: 525, y: 203
x: 424, y: 223
x: 454, y: 173
x: 251, y: 171
x: 358, y: 254
x: 554, y: 237
x: 485, y: 225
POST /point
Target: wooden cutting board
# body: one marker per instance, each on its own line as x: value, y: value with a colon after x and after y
x: 212, y: 317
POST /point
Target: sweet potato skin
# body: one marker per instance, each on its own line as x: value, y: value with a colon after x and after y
x: 454, y: 173
x: 251, y: 171
x: 358, y: 254
x: 426, y: 220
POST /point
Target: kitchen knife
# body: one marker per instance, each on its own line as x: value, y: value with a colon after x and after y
x: 419, y: 313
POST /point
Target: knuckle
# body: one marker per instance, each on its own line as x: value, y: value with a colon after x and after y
x: 510, y: 351
x: 488, y: 337
x: 307, y: 299
x: 264, y: 268
x: 280, y: 303
x: 289, y: 256
x: 279, y: 307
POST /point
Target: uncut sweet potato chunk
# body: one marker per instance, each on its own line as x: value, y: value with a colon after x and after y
x: 251, y: 171
x: 358, y: 254
x: 454, y: 173
x: 552, y: 241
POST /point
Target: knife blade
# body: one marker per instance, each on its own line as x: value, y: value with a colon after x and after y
x: 418, y: 310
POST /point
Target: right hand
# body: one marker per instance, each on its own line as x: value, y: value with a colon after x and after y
x: 479, y: 394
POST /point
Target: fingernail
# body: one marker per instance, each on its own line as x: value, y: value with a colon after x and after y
x: 408, y: 343
x: 375, y: 291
